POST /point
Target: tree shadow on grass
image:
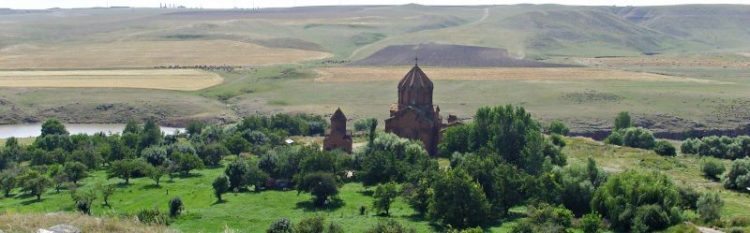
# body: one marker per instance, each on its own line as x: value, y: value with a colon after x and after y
x: 366, y: 192
x: 31, y: 201
x: 217, y: 202
x: 309, y: 206
x: 189, y: 175
x: 151, y: 186
x: 122, y: 185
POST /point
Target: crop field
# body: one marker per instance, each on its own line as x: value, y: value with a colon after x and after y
x: 182, y: 80
x: 148, y: 54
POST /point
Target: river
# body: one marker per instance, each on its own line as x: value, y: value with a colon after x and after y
x: 33, y: 130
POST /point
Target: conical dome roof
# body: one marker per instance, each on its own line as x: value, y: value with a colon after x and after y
x: 415, y: 79
x: 338, y: 115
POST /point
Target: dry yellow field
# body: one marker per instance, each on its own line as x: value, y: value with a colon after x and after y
x: 668, y: 61
x: 355, y: 74
x: 148, y: 54
x: 182, y: 80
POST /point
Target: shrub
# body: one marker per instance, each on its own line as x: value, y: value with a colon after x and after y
x: 282, y: 225
x: 152, y: 216
x: 546, y: 218
x: 709, y: 207
x: 638, y: 201
x: 690, y: 146
x: 738, y: 177
x: 591, y: 223
x: 390, y: 226
x: 472, y: 210
x: 622, y: 121
x: 638, y: 138
x: 664, y: 148
x: 557, y: 127
x: 220, y: 185
x: 712, y: 168
x: 175, y: 207
x: 384, y: 195
x: 614, y: 139
x: 320, y: 185
x: 362, y: 125
x: 557, y: 140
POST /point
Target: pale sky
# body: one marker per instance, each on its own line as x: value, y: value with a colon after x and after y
x: 43, y: 4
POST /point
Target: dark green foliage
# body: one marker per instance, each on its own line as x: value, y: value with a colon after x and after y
x: 455, y: 139
x: 719, y: 147
x: 502, y: 184
x: 591, y: 223
x: 282, y: 162
x: 75, y: 171
x: 690, y: 146
x: 90, y: 158
x: 385, y: 195
x: 458, y: 201
x: 237, y: 144
x: 300, y: 124
x: 738, y: 177
x: 557, y: 127
x: 133, y: 127
x: 106, y: 190
x: 8, y: 181
x: 578, y: 185
x: 546, y: 218
x: 175, y: 207
x: 320, y: 185
x: 712, y: 168
x: 282, y: 225
x: 638, y: 138
x: 83, y: 200
x: 709, y: 207
x: 195, y: 127
x: 390, y: 158
x: 317, y: 224
x: 390, y: 226
x: 417, y: 195
x: 34, y: 183
x: 236, y: 172
x: 151, y: 134
x: 638, y: 201
x: 665, y: 148
x: 155, y: 173
x: 221, y: 186
x: 557, y: 140
x: 186, y: 162
x: 614, y: 139
x: 127, y: 168
x: 53, y: 141
x: 53, y: 127
x: 622, y: 121
x: 155, y: 155
x: 688, y: 197
x: 152, y: 216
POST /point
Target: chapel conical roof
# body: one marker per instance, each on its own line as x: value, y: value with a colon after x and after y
x: 415, y: 79
x: 338, y: 115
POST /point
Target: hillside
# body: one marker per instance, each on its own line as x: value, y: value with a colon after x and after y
x: 446, y: 55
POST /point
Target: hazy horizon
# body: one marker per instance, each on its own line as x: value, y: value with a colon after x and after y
x: 225, y: 4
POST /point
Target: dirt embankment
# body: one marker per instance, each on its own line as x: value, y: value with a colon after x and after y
x: 664, y: 127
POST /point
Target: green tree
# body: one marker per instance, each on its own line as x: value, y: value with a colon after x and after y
x: 709, y: 206
x: 211, y: 154
x: 546, y: 218
x: 622, y: 121
x: 125, y: 169
x: 237, y: 144
x: 255, y: 176
x: 187, y: 162
x: 155, y: 155
x: 221, y: 186
x: 53, y: 127
x: 591, y: 223
x: 132, y: 126
x: 151, y: 134
x: 638, y: 138
x: 83, y: 199
x: 75, y: 171
x: 320, y: 185
x: 7, y: 181
x: 236, y: 172
x: 107, y: 190
x: 385, y: 195
x: 458, y: 201
x: 155, y: 173
x: 34, y: 183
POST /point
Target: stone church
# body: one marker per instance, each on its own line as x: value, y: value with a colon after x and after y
x: 414, y: 116
x: 338, y: 137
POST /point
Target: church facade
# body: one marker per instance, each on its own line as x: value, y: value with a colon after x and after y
x: 415, y: 116
x: 338, y: 137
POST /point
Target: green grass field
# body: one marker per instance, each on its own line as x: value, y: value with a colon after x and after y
x: 253, y: 212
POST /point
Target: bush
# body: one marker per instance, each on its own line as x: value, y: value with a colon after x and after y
x: 591, y: 223
x: 362, y: 125
x: 622, y: 121
x: 557, y: 127
x: 175, y: 207
x: 220, y: 185
x: 638, y: 138
x: 384, y: 195
x: 282, y: 225
x: 390, y: 226
x: 738, y: 177
x: 690, y: 146
x: 614, y: 139
x: 709, y: 207
x: 317, y: 224
x: 152, y: 216
x: 712, y: 168
x: 546, y: 218
x: 472, y: 210
x: 664, y: 148
x: 320, y: 185
x: 638, y: 201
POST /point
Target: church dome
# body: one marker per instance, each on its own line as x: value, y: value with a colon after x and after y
x: 415, y: 79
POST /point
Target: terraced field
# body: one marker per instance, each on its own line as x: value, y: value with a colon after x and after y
x: 182, y: 80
